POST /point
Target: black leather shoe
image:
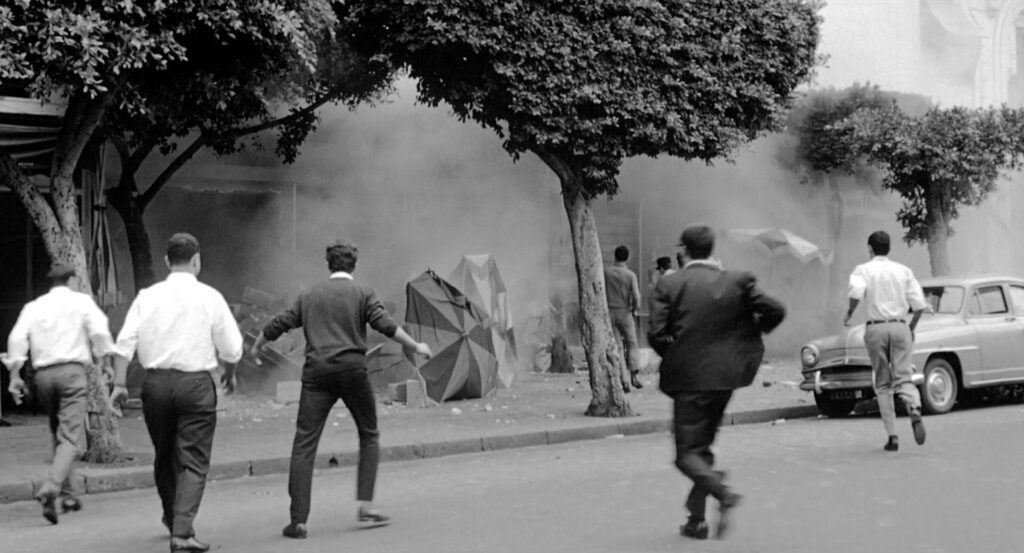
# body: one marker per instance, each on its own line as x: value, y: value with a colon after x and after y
x: 725, y: 507
x: 893, y: 444
x: 188, y: 544
x: 696, y: 529
x: 49, y: 503
x: 70, y: 504
x: 295, y: 530
x: 636, y: 382
x: 918, y: 425
x: 372, y: 519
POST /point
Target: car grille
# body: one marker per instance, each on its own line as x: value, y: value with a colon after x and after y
x: 846, y: 373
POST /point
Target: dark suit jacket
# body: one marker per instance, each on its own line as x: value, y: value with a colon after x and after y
x: 706, y: 323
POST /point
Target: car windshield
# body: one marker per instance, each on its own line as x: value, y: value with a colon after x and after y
x: 945, y: 299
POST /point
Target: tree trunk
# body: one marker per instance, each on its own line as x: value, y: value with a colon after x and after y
x: 102, y: 434
x: 603, y: 353
x: 58, y: 223
x: 604, y: 356
x: 937, y: 218
x: 131, y: 211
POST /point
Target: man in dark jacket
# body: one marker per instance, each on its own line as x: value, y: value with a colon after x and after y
x: 706, y: 323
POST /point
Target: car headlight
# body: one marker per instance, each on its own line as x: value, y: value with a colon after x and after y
x: 809, y: 356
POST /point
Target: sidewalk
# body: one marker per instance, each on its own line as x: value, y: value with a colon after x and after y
x: 254, y: 436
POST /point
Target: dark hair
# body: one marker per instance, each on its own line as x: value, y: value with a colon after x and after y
x: 621, y: 253
x: 180, y: 248
x: 342, y: 256
x: 60, y: 274
x: 699, y: 241
x: 663, y: 263
x: 879, y: 242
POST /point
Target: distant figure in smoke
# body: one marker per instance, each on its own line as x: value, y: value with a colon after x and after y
x: 890, y: 291
x: 707, y: 323
x: 623, y: 291
x: 62, y: 331
x: 333, y: 315
x: 662, y: 267
x: 179, y: 328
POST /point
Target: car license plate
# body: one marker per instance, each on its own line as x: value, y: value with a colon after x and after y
x: 847, y: 394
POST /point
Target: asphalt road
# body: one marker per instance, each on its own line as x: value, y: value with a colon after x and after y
x: 811, y: 485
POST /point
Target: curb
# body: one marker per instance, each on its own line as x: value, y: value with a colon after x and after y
x: 100, y: 480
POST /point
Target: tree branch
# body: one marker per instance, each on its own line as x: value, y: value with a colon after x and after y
x: 33, y: 200
x: 293, y: 116
x: 179, y: 161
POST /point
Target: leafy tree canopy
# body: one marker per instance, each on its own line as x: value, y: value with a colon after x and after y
x: 941, y: 160
x: 595, y: 81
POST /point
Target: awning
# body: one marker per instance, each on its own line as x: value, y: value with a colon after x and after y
x: 28, y: 131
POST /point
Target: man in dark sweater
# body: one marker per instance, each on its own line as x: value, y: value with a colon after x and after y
x: 333, y: 315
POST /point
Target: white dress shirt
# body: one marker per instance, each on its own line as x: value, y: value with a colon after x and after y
x: 181, y: 324
x: 58, y: 327
x: 889, y: 289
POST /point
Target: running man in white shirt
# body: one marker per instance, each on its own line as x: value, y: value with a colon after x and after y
x: 63, y: 331
x: 179, y: 328
x: 890, y: 292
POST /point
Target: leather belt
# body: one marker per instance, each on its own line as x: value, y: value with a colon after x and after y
x: 879, y: 322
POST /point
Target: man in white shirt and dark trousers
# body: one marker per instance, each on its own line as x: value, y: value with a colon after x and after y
x: 890, y: 292
x: 179, y: 328
x: 334, y: 315
x: 63, y: 331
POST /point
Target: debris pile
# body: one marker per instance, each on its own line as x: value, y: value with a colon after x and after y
x: 281, y: 360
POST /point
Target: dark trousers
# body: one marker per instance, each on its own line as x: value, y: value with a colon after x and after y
x: 180, y: 409
x: 320, y: 392
x: 696, y: 418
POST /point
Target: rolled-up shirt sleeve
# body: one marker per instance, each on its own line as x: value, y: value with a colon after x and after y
x: 378, y: 317
x: 98, y: 328
x: 128, y: 337
x: 227, y: 339
x: 915, y: 295
x: 18, y: 341
x: 858, y: 285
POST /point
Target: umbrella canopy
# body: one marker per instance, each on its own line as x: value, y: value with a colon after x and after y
x: 778, y: 239
x: 464, y: 365
x: 479, y: 278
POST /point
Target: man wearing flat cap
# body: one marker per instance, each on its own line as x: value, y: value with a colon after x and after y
x: 63, y: 332
x: 706, y: 323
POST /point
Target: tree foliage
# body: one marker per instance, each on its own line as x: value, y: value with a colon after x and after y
x: 585, y: 84
x: 939, y: 162
x: 98, y: 56
x: 597, y: 81
x: 223, y: 95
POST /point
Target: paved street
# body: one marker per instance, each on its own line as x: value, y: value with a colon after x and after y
x: 811, y: 485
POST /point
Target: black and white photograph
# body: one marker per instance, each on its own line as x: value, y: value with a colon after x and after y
x: 503, y: 276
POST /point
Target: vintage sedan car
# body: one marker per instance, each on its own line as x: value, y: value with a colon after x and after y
x: 974, y: 339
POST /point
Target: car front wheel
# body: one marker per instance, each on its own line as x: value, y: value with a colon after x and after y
x: 834, y: 408
x: 939, y: 391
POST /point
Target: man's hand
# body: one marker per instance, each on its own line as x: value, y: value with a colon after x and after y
x: 423, y: 349
x: 227, y: 379
x: 254, y: 352
x: 846, y: 318
x: 17, y: 389
x: 117, y: 397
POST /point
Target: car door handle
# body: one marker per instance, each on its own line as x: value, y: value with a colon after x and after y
x: 1010, y: 319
